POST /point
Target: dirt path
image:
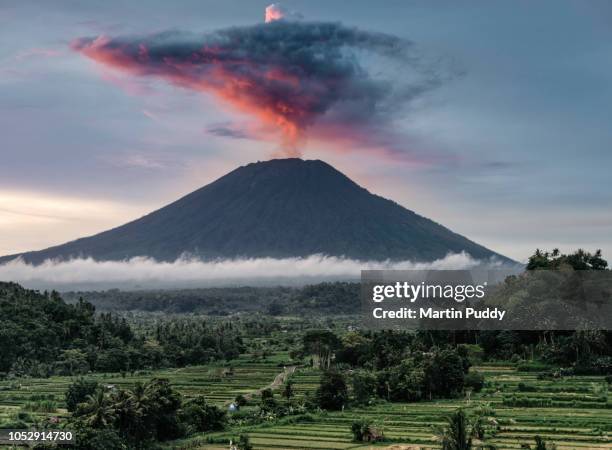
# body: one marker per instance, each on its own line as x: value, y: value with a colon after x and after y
x: 279, y: 380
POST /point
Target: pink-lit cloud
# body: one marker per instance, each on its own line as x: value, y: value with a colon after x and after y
x: 274, y: 12
x: 297, y: 80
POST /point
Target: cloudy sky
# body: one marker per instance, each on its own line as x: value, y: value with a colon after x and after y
x: 491, y: 118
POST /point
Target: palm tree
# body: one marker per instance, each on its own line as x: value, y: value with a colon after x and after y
x: 459, y: 434
x: 98, y: 411
x: 139, y: 399
x: 540, y: 444
x: 133, y: 408
x: 456, y: 436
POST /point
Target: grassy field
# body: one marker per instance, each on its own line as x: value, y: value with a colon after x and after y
x: 573, y: 411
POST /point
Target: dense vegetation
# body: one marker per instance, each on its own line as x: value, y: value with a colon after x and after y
x: 107, y: 417
x: 320, y: 299
x: 41, y: 335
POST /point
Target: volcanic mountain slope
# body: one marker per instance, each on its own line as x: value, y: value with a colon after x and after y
x: 278, y: 208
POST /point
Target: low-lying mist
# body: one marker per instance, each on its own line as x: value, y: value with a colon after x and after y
x: 147, y: 273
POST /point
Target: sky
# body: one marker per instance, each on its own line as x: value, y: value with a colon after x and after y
x: 491, y: 118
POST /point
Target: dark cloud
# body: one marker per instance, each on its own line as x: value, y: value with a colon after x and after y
x: 227, y: 131
x: 325, y: 80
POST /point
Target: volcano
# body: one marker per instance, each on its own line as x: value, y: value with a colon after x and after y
x: 279, y: 208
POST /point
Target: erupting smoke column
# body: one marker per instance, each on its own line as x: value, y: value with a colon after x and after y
x: 295, y: 77
x: 274, y: 12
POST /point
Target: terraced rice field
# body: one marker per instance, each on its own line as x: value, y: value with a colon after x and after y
x: 576, y: 414
x: 574, y: 425
x: 219, y: 383
x: 305, y: 381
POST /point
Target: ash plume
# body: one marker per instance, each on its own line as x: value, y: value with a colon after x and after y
x: 297, y: 79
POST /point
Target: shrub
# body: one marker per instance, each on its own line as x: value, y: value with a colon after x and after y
x: 38, y: 397
x: 532, y: 366
x: 267, y: 403
x: 78, y: 391
x: 363, y: 431
x: 474, y: 352
x: 240, y: 400
x: 522, y: 387
x: 332, y: 393
x: 244, y: 443
x: 364, y: 386
x: 23, y: 416
x: 288, y: 391
x: 46, y: 406
x: 90, y: 439
x: 474, y: 380
x: 445, y: 373
x: 199, y: 416
x: 358, y: 428
x: 14, y: 424
x: 540, y: 444
x: 595, y: 366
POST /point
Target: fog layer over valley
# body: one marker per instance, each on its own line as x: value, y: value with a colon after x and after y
x: 147, y: 273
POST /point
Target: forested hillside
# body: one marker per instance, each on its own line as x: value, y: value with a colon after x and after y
x: 318, y: 299
x: 40, y: 334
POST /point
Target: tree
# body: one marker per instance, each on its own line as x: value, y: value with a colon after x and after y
x: 112, y: 360
x: 163, y: 408
x: 444, y: 374
x: 240, y: 400
x: 461, y: 434
x: 200, y: 416
x: 457, y: 434
x: 332, y: 393
x: 355, y: 349
x: 244, y: 443
x: 98, y: 411
x: 474, y: 381
x: 359, y: 428
x: 321, y: 344
x: 588, y: 342
x: 78, y: 392
x: 389, y: 348
x: 406, y: 382
x: 579, y: 260
x: 288, y: 390
x: 267, y: 400
x: 147, y: 412
x: 540, y: 444
x: 72, y: 362
x: 364, y: 386
x: 139, y: 399
x: 92, y: 439
x: 133, y: 410
x: 275, y: 308
x: 364, y: 431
